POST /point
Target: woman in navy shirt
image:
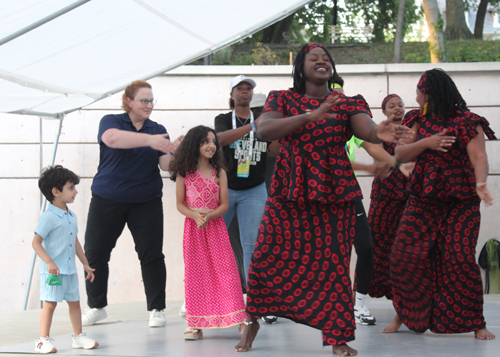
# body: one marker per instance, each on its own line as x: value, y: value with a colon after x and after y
x: 127, y: 189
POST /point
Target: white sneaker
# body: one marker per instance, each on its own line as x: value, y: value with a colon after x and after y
x: 363, y: 316
x: 82, y: 341
x: 182, y: 311
x: 91, y: 316
x: 44, y: 345
x: 270, y: 319
x: 157, y: 318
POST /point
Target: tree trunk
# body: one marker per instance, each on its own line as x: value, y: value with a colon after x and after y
x: 399, y: 32
x: 335, y: 13
x: 276, y: 33
x: 378, y: 28
x: 436, y: 36
x: 456, y: 26
x: 481, y: 14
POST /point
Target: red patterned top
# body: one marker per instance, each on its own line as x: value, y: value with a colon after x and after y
x: 441, y: 175
x: 392, y: 187
x: 312, y: 164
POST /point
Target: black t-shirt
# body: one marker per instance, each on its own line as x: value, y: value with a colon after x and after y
x: 258, y: 160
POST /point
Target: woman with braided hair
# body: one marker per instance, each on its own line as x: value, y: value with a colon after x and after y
x: 300, y: 266
x: 436, y: 280
x: 387, y: 202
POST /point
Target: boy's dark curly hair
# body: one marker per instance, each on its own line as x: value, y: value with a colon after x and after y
x: 187, y: 154
x: 55, y: 177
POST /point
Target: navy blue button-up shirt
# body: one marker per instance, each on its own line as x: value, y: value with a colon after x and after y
x: 128, y: 175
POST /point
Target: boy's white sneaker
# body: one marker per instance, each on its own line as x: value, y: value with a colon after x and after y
x: 157, y: 318
x: 82, y: 341
x: 91, y: 316
x: 44, y: 345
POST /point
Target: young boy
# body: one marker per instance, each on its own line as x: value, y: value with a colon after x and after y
x: 56, y: 243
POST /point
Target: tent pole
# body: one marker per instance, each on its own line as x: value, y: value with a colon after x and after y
x: 42, y: 22
x: 42, y: 209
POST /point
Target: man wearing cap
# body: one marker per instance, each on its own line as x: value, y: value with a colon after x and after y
x: 246, y: 157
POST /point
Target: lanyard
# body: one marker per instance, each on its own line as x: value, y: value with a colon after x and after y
x: 250, y: 143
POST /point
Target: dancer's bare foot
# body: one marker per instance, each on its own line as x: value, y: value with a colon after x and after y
x: 484, y: 334
x: 249, y: 332
x: 394, y: 325
x: 344, y: 350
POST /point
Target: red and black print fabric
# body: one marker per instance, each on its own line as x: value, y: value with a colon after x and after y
x: 312, y: 164
x: 441, y: 175
x: 300, y: 265
x: 436, y: 280
x: 388, y: 200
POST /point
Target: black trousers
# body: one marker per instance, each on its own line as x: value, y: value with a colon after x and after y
x: 105, y: 224
x: 364, y: 249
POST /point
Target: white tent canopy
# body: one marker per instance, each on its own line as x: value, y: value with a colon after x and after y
x: 58, y: 55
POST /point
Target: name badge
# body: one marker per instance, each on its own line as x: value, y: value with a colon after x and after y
x: 243, y: 168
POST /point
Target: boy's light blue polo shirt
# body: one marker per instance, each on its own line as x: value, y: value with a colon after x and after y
x: 58, y: 229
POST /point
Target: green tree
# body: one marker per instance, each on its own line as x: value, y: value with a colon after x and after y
x: 285, y: 31
x: 436, y: 35
x: 456, y: 26
x: 398, y: 38
x: 382, y: 15
x: 482, y: 9
x: 316, y: 19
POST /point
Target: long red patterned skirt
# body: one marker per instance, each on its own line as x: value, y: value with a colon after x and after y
x: 436, y: 280
x: 384, y: 216
x: 300, y: 266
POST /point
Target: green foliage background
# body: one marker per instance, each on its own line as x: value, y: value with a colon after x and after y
x: 358, y: 53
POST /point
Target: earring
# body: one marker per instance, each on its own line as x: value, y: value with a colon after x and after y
x: 424, y: 112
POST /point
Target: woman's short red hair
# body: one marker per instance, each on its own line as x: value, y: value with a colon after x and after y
x: 131, y: 91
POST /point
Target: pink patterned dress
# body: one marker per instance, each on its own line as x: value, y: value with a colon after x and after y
x: 214, y: 297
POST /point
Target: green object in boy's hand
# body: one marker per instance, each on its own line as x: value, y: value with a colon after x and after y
x: 54, y: 280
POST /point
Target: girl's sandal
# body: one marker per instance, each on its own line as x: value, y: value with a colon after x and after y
x: 193, y: 334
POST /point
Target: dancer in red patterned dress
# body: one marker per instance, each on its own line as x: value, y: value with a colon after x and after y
x: 388, y: 200
x: 212, y: 282
x: 436, y: 280
x: 300, y: 266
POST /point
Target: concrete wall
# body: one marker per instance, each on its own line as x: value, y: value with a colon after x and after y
x: 186, y: 97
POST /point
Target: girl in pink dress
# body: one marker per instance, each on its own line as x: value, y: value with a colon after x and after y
x: 213, y: 290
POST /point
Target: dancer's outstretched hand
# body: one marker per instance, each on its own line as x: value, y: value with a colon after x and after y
x: 322, y: 112
x: 440, y: 141
x: 389, y: 132
x: 407, y: 168
x: 484, y: 194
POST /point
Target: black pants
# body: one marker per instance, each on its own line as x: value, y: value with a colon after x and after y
x: 105, y: 224
x: 364, y: 250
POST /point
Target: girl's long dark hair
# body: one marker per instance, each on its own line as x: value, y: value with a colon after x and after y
x: 299, y: 80
x: 444, y: 97
x: 187, y: 154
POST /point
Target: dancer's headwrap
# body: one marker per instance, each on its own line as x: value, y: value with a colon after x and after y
x: 422, y: 86
x: 422, y: 83
x: 312, y: 45
x: 388, y: 98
